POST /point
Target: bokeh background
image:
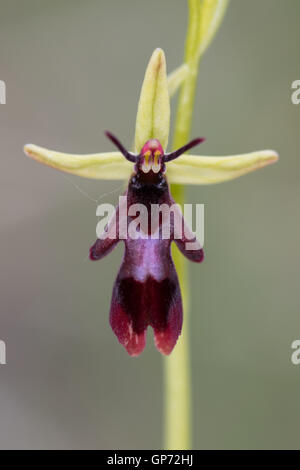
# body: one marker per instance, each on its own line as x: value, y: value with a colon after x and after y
x: 73, y: 69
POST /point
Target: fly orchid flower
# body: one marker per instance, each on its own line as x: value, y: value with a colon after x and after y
x: 146, y: 291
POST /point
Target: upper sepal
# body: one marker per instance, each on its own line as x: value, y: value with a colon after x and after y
x: 153, y: 115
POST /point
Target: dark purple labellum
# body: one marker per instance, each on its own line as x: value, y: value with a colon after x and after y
x: 146, y: 291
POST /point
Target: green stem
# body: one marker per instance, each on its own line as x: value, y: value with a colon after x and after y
x: 177, y: 367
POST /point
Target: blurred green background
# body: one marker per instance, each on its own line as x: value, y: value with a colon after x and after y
x: 73, y: 69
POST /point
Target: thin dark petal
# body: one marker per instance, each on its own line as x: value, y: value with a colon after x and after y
x: 137, y: 305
